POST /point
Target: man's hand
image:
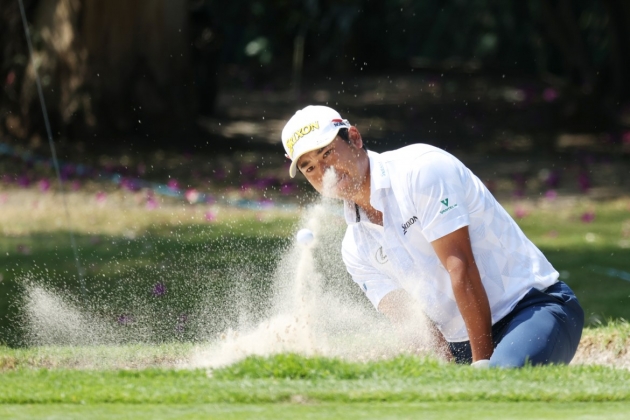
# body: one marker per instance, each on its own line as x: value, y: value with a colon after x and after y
x: 455, y: 253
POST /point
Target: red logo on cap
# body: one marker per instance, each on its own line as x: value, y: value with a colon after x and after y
x: 337, y: 120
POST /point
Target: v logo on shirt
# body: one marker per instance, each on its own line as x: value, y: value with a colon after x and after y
x: 445, y: 202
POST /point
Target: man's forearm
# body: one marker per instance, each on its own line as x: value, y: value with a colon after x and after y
x: 473, y: 305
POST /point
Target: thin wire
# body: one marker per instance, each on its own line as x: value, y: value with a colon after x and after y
x: 52, y: 148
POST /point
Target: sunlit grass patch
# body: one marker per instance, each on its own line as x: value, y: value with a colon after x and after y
x: 285, y: 378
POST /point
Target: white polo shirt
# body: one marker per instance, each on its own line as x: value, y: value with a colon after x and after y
x: 425, y: 193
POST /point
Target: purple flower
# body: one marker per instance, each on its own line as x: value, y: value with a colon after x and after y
x: 588, y: 217
x: 287, y: 189
x: 159, y: 289
x: 44, y: 185
x: 23, y: 181
x: 520, y: 181
x: 551, y: 195
x: 125, y: 319
x: 265, y: 203
x: 584, y: 181
x: 553, y: 179
x: 249, y: 171
x: 172, y: 184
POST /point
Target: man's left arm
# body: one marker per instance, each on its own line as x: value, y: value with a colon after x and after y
x: 455, y: 252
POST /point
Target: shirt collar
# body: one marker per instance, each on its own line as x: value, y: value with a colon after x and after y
x: 379, y: 179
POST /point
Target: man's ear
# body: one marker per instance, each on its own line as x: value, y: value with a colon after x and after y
x: 355, y: 137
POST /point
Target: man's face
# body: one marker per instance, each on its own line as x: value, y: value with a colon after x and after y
x: 348, y: 161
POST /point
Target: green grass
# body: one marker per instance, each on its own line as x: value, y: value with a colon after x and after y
x: 380, y: 410
x: 287, y: 378
x: 582, y: 252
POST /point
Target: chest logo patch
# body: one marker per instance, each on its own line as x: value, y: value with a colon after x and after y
x: 408, y: 224
x: 380, y: 256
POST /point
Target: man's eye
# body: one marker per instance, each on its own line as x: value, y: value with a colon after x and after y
x: 327, y: 152
x: 309, y: 169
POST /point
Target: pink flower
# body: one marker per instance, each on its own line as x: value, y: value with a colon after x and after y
x: 44, y: 185
x: 520, y: 212
x: 552, y: 234
x: 152, y: 203
x: 625, y: 137
x: 75, y: 186
x: 588, y: 217
x: 210, y: 216
x: 101, y: 197
x: 3, y: 198
x: 172, y: 184
x: 192, y: 195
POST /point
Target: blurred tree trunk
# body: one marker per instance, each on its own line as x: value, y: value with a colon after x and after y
x: 139, y: 60
x: 60, y: 61
x: 110, y: 64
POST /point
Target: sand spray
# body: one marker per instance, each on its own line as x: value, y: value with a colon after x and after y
x: 314, y: 308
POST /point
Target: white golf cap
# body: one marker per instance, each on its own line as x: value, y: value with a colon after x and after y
x: 310, y: 129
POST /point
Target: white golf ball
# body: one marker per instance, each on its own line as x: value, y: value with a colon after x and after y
x: 304, y: 237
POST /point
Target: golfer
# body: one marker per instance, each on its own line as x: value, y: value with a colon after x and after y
x: 422, y: 226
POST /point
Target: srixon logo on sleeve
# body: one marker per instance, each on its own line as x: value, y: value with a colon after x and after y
x: 408, y: 224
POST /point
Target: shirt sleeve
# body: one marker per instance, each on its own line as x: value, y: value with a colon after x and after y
x: 439, y: 195
x: 374, y: 284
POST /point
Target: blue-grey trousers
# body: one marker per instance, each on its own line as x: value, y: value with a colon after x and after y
x: 545, y: 327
